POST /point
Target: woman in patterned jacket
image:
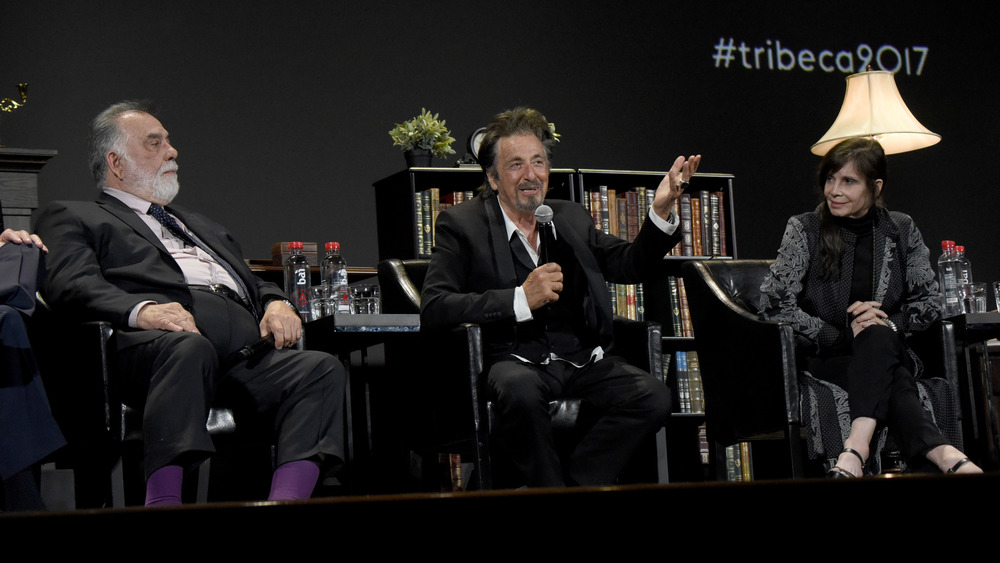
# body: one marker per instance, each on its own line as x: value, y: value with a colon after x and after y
x: 853, y: 278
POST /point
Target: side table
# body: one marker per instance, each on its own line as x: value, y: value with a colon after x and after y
x: 342, y: 334
x: 980, y: 422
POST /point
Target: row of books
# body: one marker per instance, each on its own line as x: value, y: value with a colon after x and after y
x: 687, y: 372
x: 702, y: 216
x: 627, y: 300
x: 428, y: 205
x: 703, y: 224
x: 738, y: 457
x: 680, y: 314
x: 620, y: 215
x: 739, y: 462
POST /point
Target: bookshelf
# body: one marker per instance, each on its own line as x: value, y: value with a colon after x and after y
x: 397, y: 203
x: 659, y: 299
x: 664, y: 298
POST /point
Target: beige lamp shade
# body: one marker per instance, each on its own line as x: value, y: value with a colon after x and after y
x: 873, y: 108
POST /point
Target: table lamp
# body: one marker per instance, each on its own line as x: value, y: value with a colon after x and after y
x: 873, y: 108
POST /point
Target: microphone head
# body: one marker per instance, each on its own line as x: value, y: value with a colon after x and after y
x: 543, y: 214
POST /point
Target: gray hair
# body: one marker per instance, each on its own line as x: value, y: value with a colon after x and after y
x: 106, y: 135
x: 518, y: 121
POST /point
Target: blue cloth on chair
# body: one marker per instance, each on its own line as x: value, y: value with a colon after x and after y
x: 28, y: 433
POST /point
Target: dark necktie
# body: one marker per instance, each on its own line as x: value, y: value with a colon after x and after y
x: 168, y: 221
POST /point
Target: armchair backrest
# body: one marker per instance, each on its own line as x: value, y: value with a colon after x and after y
x: 400, y: 282
x: 736, y: 283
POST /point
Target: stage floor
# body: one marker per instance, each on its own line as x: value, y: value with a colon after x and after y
x: 682, y: 512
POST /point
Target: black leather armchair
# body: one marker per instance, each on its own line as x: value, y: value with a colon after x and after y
x: 103, y: 433
x: 401, y: 281
x: 753, y: 387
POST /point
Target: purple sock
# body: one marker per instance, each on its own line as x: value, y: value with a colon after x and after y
x: 163, y: 488
x: 294, y: 480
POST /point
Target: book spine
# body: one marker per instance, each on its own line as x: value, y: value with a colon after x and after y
x: 703, y: 447
x: 682, y: 382
x: 632, y: 214
x: 643, y: 204
x: 696, y: 239
x: 605, y: 217
x: 595, y: 208
x: 630, y: 302
x: 746, y: 461
x: 612, y: 213
x: 426, y: 221
x: 622, y: 212
x: 733, y: 472
x: 621, y: 299
x: 640, y: 302
x: 687, y: 232
x: 687, y: 330
x: 613, y: 290
x: 435, y: 211
x: 714, y: 223
x: 677, y: 249
x: 694, y: 383
x: 418, y: 204
x: 675, y: 306
x: 722, y: 224
x: 706, y: 219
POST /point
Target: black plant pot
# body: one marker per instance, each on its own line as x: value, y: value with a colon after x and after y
x: 418, y: 157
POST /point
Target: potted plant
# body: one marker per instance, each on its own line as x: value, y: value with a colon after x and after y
x: 422, y: 137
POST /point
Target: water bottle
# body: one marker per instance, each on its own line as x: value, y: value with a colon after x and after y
x: 948, y: 279
x: 964, y: 266
x: 963, y: 273
x: 334, y: 271
x: 298, y: 279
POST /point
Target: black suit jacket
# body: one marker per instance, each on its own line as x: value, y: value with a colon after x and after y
x: 471, y: 277
x: 103, y: 260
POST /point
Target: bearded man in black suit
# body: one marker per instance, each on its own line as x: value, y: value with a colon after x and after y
x: 182, y: 301
x: 547, y: 327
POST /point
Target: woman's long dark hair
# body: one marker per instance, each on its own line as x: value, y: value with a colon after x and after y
x: 869, y: 161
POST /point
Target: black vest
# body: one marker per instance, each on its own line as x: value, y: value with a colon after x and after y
x: 558, y: 328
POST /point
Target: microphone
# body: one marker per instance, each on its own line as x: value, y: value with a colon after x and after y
x: 249, y: 352
x: 546, y: 235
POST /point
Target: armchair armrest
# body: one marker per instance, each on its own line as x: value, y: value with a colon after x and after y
x: 936, y: 347
x: 641, y: 344
x: 749, y: 370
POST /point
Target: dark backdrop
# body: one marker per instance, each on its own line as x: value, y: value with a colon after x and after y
x: 280, y: 110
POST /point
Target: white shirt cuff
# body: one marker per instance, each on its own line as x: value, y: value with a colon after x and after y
x: 666, y: 225
x: 133, y: 317
x: 521, y: 310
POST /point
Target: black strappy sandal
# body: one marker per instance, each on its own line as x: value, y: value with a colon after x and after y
x: 958, y: 465
x: 837, y: 472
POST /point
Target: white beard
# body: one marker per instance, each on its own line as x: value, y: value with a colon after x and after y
x: 159, y: 188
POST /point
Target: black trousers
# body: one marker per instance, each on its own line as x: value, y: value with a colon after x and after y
x: 878, y: 378
x: 298, y: 396
x: 633, y: 406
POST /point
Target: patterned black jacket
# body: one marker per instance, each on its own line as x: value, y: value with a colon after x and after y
x: 904, y: 282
